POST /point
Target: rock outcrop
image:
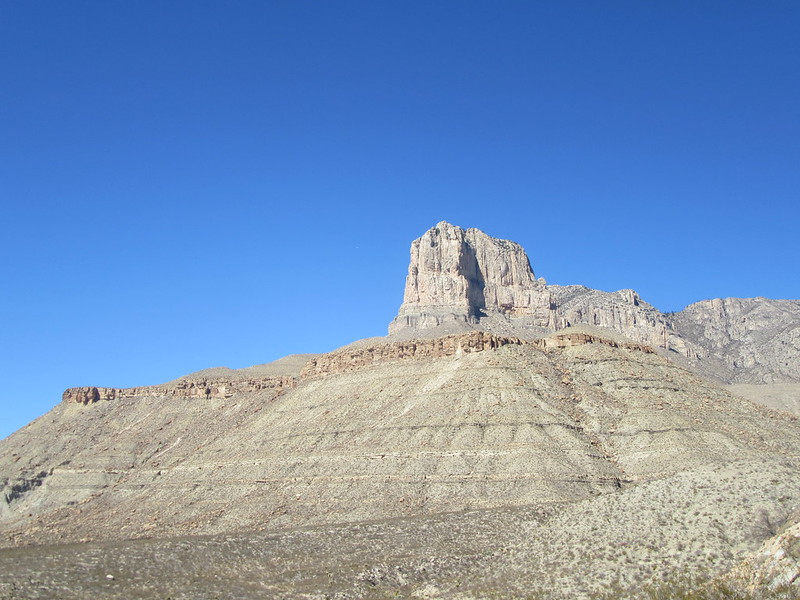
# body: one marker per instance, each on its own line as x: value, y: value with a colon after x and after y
x: 469, y: 279
x: 340, y: 361
x: 185, y: 388
x: 776, y: 565
x: 345, y: 360
x: 466, y: 276
x: 570, y: 339
x: 623, y: 311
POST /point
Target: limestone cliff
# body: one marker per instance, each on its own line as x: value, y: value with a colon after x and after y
x: 464, y: 279
x: 465, y: 276
x: 468, y: 278
x: 187, y: 388
x: 344, y: 360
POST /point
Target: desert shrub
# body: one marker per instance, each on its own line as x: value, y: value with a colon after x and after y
x: 684, y: 588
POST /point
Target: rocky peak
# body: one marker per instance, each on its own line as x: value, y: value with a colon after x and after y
x: 465, y: 279
x: 463, y: 276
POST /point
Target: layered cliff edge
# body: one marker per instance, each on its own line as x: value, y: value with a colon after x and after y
x: 464, y: 279
x: 202, y: 386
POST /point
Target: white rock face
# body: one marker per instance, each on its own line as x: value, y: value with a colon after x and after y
x: 470, y: 278
x: 464, y: 276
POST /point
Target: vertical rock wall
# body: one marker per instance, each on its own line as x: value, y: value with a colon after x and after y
x: 463, y: 276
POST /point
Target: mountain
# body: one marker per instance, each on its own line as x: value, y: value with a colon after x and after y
x: 464, y: 279
x: 543, y: 430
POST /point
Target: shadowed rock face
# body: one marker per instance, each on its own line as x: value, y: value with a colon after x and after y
x: 463, y: 276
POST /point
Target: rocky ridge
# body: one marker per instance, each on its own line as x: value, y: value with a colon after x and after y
x: 189, y: 389
x: 464, y: 279
x: 233, y: 382
x: 339, y: 361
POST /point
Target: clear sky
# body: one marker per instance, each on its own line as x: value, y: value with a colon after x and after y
x: 190, y: 184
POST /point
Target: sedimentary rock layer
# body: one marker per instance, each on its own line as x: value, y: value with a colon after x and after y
x: 199, y: 388
x: 349, y: 359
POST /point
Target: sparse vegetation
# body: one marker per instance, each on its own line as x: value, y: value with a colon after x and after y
x: 685, y: 588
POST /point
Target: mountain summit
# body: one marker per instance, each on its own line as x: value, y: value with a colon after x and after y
x: 467, y: 277
x: 460, y: 280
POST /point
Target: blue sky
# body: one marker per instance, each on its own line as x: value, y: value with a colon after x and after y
x: 192, y: 184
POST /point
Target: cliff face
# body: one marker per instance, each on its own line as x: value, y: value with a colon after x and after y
x: 464, y: 279
x: 465, y: 276
x: 339, y: 361
x: 623, y: 311
x: 345, y: 360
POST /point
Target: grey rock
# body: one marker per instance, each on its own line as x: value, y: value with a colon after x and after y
x: 464, y: 279
x: 748, y: 340
x: 468, y: 276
